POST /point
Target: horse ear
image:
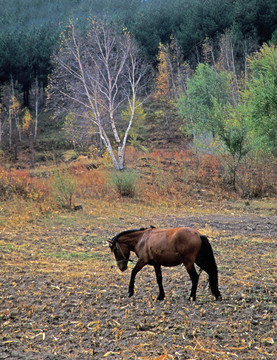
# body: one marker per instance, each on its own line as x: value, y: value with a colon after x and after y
x: 110, y: 241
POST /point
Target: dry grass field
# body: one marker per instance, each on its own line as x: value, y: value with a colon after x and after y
x: 62, y: 296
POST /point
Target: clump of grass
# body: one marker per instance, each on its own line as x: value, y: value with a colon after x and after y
x: 125, y: 182
x: 63, y: 188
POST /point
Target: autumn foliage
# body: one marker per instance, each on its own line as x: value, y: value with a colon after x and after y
x: 20, y: 183
x: 159, y: 177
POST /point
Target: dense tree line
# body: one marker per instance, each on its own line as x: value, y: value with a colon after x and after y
x: 29, y: 29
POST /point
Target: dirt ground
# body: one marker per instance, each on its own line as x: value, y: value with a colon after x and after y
x: 62, y: 296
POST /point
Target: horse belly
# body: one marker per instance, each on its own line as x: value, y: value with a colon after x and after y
x: 167, y: 259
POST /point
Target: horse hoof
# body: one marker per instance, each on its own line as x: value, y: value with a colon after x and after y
x: 130, y: 294
x: 219, y: 298
x: 191, y: 298
x: 160, y: 298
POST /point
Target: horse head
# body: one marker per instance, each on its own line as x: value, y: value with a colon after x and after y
x: 121, y: 253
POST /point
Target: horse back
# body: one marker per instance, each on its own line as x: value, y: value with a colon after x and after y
x: 187, y: 242
x: 170, y: 247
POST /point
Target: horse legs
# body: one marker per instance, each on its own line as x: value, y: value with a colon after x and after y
x: 159, y: 278
x: 139, y: 265
x: 213, y: 281
x: 194, y: 279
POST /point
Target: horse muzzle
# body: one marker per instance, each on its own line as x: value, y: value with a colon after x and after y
x: 122, y: 265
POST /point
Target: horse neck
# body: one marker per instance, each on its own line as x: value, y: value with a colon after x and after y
x: 131, y: 239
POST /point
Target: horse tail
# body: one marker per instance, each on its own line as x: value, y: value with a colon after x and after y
x: 205, y: 258
x: 206, y: 261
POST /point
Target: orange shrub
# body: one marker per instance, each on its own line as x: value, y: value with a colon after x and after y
x: 15, y: 182
x: 209, y: 170
x: 91, y: 183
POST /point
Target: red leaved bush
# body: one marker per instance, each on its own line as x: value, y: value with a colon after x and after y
x: 14, y: 182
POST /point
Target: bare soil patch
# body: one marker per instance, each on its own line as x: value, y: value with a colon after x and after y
x: 249, y: 225
x: 62, y: 296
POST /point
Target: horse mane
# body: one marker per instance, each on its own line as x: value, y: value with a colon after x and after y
x: 116, y: 237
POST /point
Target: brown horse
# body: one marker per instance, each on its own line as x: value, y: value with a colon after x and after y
x: 170, y: 247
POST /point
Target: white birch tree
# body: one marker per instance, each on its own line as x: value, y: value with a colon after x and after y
x: 96, y: 76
